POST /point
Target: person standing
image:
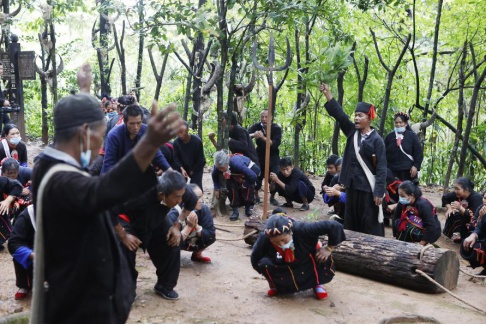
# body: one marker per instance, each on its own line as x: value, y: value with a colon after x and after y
x: 403, y: 150
x: 364, y: 167
x: 259, y: 133
x: 239, y: 141
x: 189, y: 156
x: 120, y: 141
x: 80, y: 274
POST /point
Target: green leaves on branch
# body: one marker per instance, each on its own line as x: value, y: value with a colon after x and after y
x: 328, y: 63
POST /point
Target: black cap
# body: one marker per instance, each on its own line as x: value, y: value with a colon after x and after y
x: 76, y: 110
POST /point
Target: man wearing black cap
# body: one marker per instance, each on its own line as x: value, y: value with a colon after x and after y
x: 364, y: 167
x: 80, y: 274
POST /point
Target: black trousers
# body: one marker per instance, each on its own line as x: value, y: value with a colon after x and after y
x: 23, y: 277
x: 197, y: 178
x: 361, y: 213
x: 260, y: 178
x: 165, y: 258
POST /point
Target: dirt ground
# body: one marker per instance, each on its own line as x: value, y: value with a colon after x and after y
x: 229, y: 291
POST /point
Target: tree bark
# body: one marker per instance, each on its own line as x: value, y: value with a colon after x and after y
x: 461, y: 103
x: 138, y: 76
x: 395, y: 262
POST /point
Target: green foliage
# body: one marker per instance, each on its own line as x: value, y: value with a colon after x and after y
x: 327, y: 63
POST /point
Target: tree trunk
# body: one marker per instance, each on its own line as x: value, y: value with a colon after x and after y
x: 103, y: 57
x: 468, y: 127
x: 461, y: 103
x: 138, y: 76
x: 395, y: 262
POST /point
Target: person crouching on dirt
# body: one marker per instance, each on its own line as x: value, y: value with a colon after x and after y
x: 201, y: 228
x: 144, y: 221
x: 461, y: 205
x: 292, y: 184
x: 415, y: 218
x: 21, y: 247
x: 473, y: 247
x: 288, y: 255
x: 241, y: 174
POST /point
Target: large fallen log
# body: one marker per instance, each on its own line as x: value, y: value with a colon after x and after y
x: 395, y: 262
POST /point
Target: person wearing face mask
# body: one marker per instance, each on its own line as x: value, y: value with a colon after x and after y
x: 12, y: 145
x: 145, y: 221
x: 364, y: 167
x: 290, y: 256
x: 80, y: 274
x: 415, y: 218
x: 202, y: 229
x: 403, y: 149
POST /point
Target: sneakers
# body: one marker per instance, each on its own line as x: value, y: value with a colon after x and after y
x: 482, y: 272
x: 331, y: 212
x: 272, y: 292
x: 304, y: 207
x: 287, y: 205
x: 274, y: 202
x: 320, y: 292
x: 21, y: 294
x: 248, y: 211
x: 200, y: 258
x: 165, y: 293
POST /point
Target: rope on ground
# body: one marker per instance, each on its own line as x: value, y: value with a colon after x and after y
x: 472, y: 275
x: 424, y: 249
x: 240, y: 238
x: 451, y: 293
x: 225, y: 225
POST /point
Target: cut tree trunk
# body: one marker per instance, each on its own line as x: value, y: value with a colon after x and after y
x: 395, y: 262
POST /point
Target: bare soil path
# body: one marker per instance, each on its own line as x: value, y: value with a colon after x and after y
x: 229, y: 291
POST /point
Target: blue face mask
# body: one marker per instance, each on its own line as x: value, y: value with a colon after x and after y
x: 111, y: 114
x: 15, y: 141
x: 85, y: 156
x: 400, y: 130
x: 288, y: 244
x: 404, y: 201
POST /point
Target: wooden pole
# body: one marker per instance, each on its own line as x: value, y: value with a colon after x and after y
x: 267, y: 148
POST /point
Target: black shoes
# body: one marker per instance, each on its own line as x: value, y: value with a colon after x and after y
x: 274, y: 202
x: 165, y: 293
x: 248, y: 211
x: 287, y: 205
x: 304, y: 207
x: 234, y: 216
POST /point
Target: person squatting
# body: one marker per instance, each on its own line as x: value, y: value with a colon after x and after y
x: 85, y: 272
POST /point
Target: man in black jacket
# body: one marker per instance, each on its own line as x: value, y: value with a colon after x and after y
x: 82, y: 276
x: 363, y: 211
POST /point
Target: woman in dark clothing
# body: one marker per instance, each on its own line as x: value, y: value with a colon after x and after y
x: 9, y: 190
x: 473, y: 247
x: 288, y: 255
x: 415, y: 218
x: 21, y: 247
x: 363, y: 174
x: 461, y: 205
x: 403, y: 150
x: 12, y: 145
x: 202, y: 232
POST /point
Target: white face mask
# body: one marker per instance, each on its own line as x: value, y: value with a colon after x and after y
x: 85, y: 156
x: 15, y: 141
x: 288, y: 244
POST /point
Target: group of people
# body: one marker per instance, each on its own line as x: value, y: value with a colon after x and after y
x: 91, y: 264
x: 379, y: 177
